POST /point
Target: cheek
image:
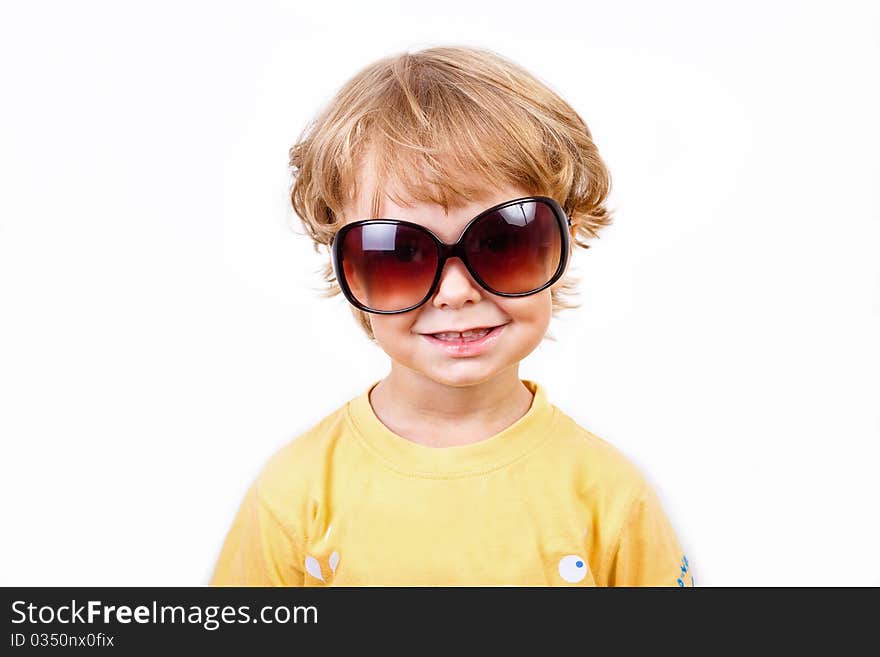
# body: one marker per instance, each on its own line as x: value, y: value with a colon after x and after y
x: 389, y: 329
x: 534, y: 311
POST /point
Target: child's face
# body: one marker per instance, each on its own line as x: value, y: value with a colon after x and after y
x: 459, y: 302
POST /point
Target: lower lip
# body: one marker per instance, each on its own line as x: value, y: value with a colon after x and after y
x: 463, y: 348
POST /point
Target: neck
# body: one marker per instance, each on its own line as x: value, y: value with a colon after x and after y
x: 437, y: 414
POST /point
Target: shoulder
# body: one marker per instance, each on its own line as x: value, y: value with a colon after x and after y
x: 624, y: 509
x: 294, y: 471
x: 601, y: 474
x: 596, y: 455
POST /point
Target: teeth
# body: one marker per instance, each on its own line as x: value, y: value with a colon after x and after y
x: 467, y: 335
x: 475, y: 333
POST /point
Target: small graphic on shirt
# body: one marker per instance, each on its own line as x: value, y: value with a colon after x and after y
x: 685, y: 572
x: 313, y: 566
x: 572, y: 568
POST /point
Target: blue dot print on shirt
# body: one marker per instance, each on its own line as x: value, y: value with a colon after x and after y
x: 572, y: 568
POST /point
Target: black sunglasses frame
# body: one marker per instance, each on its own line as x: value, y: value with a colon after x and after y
x: 456, y: 250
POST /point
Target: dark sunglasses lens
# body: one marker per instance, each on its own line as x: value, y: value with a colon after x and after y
x: 516, y: 249
x: 388, y: 266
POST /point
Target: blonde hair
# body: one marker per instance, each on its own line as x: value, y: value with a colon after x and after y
x: 444, y: 125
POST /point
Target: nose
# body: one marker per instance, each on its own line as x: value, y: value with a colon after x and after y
x: 456, y: 286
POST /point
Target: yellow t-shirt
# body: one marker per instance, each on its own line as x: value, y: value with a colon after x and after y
x: 542, y: 503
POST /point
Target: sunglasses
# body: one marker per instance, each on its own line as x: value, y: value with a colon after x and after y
x: 513, y: 249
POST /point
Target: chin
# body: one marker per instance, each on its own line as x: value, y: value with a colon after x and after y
x: 461, y: 377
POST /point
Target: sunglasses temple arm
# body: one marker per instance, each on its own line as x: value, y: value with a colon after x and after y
x: 586, y: 246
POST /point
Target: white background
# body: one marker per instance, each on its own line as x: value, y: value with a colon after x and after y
x: 161, y: 333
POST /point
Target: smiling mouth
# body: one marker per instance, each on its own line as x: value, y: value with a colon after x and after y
x: 468, y: 345
x: 457, y: 347
x: 469, y: 334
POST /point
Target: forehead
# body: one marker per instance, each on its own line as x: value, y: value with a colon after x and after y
x: 446, y: 223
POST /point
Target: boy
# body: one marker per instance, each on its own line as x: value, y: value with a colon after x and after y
x: 450, y: 186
